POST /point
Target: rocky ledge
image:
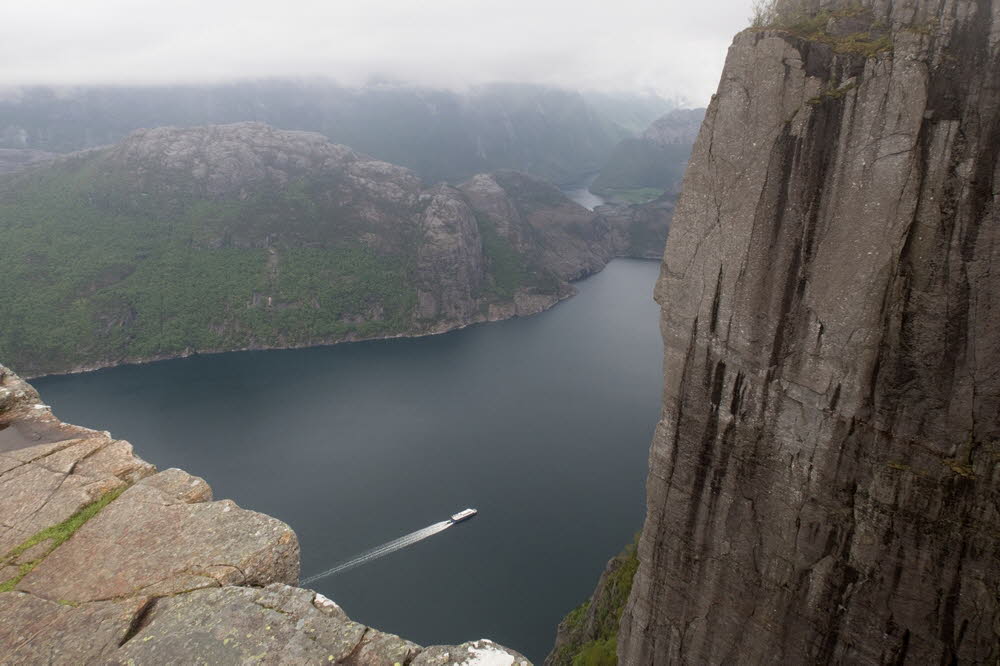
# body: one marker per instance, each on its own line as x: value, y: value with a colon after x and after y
x: 105, y: 559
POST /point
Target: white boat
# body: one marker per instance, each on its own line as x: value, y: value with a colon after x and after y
x: 465, y: 514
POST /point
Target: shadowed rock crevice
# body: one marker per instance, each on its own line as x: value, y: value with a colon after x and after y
x: 140, y: 620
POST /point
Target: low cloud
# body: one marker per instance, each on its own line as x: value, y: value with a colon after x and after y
x: 673, y: 47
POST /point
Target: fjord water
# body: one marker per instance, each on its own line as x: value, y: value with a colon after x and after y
x: 541, y: 423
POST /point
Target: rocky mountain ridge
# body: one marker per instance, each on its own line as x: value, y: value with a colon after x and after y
x: 823, y: 481
x: 103, y: 559
x: 186, y: 240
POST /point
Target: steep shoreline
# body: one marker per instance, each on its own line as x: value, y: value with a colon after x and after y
x: 183, y: 240
x: 503, y: 316
x: 321, y: 343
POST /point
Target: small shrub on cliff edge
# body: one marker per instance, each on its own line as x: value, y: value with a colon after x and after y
x: 764, y: 13
x: 773, y: 13
x: 598, y: 653
x: 589, y: 633
x: 794, y: 17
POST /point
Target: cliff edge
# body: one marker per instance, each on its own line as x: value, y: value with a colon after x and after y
x: 823, y: 482
x: 105, y: 560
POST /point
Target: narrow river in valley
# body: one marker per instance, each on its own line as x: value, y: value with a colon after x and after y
x: 580, y: 193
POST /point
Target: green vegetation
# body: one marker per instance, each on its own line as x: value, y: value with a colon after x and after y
x: 99, y: 268
x: 639, y: 195
x: 588, y: 635
x: 508, y: 268
x: 598, y: 653
x: 867, y: 38
x: 56, y: 535
x: 862, y: 43
x: 106, y: 262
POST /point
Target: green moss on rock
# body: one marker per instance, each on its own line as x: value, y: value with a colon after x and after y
x: 588, y: 635
x: 850, y: 30
x: 56, y: 535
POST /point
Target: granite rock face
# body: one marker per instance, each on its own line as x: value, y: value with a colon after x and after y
x: 105, y: 560
x: 823, y: 482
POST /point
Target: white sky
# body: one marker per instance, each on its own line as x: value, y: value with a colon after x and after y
x: 674, y: 47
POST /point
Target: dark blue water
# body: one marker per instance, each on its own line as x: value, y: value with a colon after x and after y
x: 542, y: 423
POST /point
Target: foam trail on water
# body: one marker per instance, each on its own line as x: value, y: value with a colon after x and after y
x: 383, y: 550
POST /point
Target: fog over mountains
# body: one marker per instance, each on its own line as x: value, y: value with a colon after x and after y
x: 673, y: 48
x: 443, y: 135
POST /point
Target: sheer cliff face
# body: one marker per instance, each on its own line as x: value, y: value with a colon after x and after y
x: 824, y: 479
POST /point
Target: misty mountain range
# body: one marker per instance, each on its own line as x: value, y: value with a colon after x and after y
x: 559, y: 135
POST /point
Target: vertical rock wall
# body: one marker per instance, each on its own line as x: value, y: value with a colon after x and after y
x: 824, y: 483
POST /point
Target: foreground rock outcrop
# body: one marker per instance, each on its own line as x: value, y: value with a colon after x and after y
x: 824, y: 482
x: 178, y: 241
x: 105, y: 560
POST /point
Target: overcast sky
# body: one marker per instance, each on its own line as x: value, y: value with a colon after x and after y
x: 674, y: 47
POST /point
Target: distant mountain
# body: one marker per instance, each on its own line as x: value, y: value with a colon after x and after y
x: 653, y: 162
x: 554, y: 134
x: 216, y: 238
x: 633, y: 111
x: 15, y: 159
x: 679, y: 127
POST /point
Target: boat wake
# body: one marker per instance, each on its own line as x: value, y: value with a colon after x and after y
x: 383, y: 550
